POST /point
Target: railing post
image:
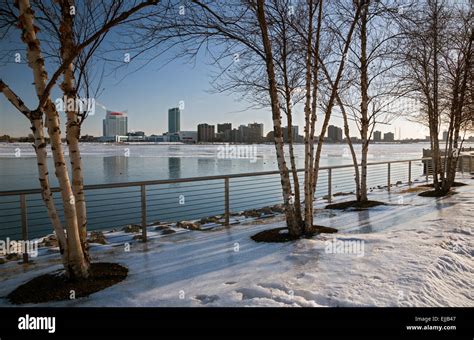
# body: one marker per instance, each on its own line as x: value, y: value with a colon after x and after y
x: 388, y: 176
x: 427, y: 172
x: 226, y: 201
x: 329, y: 185
x: 24, y: 225
x: 144, y: 224
x: 409, y: 172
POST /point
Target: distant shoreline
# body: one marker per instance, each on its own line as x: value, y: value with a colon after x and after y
x: 204, y: 144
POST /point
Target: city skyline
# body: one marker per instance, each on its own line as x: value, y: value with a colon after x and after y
x: 148, y: 101
x: 118, y: 122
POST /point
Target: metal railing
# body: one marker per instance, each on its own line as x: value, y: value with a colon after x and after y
x: 146, y: 203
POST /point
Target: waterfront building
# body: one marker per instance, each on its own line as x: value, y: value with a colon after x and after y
x: 188, y: 136
x: 137, y: 136
x: 115, y: 124
x: 222, y: 128
x: 389, y: 137
x: 174, y: 120
x: 334, y: 134
x: 377, y: 136
x: 206, y: 133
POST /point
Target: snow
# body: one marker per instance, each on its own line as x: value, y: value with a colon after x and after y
x: 416, y: 252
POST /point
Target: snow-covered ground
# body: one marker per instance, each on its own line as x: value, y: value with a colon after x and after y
x: 414, y: 252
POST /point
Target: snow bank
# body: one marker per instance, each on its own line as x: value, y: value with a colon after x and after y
x: 414, y: 252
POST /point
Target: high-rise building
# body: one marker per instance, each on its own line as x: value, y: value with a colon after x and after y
x: 256, y: 130
x: 174, y: 120
x: 224, y: 132
x: 252, y: 133
x: 115, y: 124
x: 206, y: 133
x: 445, y: 135
x: 294, y: 134
x: 377, y: 136
x: 222, y: 128
x: 295, y: 131
x: 334, y: 133
x: 389, y: 137
x: 243, y: 135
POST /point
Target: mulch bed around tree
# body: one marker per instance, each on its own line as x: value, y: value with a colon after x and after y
x: 455, y: 184
x: 433, y: 193
x: 354, y: 204
x: 56, y: 287
x: 279, y: 235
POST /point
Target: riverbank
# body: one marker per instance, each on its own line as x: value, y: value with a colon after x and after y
x: 413, y: 252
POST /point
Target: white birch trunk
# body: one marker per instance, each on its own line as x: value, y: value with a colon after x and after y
x: 291, y: 220
x: 73, y: 128
x: 78, y: 267
x: 37, y: 127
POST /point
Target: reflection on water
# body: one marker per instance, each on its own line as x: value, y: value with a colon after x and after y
x: 174, y: 167
x: 107, y: 163
x: 206, y: 166
x: 364, y: 222
x: 116, y: 168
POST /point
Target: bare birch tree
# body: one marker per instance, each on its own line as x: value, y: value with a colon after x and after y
x: 71, y: 242
x: 266, y: 39
x: 437, y: 54
x: 370, y: 93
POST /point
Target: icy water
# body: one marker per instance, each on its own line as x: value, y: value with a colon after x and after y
x: 115, y: 208
x: 106, y: 163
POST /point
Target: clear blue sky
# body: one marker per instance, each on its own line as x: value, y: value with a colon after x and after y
x: 150, y: 91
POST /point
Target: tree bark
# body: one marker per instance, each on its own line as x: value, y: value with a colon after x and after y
x: 332, y: 98
x: 364, y: 101
x: 73, y: 127
x: 78, y: 266
x: 460, y: 92
x: 308, y: 216
x: 351, y: 148
x: 292, y: 222
x: 313, y: 117
x: 289, y: 113
x: 37, y: 127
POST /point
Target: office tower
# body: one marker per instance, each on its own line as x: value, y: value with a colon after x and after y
x: 115, y: 124
x: 256, y: 130
x: 222, y: 128
x: 294, y: 131
x: 334, y: 133
x: 445, y: 135
x: 389, y: 137
x: 377, y: 136
x: 174, y: 120
x: 206, y: 133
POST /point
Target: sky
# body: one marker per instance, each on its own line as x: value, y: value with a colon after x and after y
x: 148, y: 92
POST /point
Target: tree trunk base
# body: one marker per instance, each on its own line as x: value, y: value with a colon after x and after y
x: 355, y: 205
x: 436, y: 193
x: 280, y: 235
x: 56, y: 286
x: 455, y: 184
